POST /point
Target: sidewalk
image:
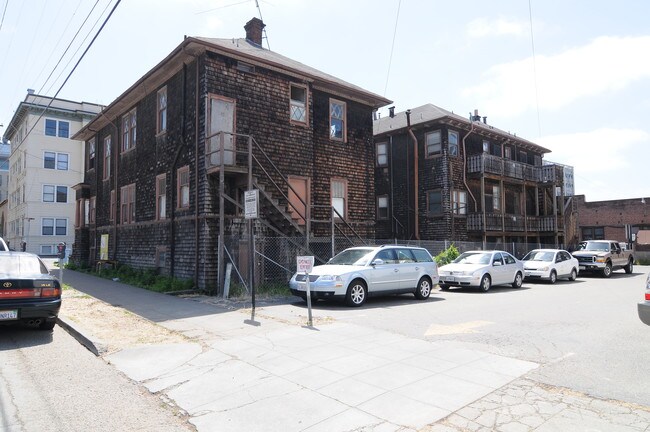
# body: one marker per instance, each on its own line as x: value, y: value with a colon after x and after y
x: 280, y: 375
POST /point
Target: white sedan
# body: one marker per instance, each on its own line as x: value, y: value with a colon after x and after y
x: 482, y: 269
x: 550, y: 264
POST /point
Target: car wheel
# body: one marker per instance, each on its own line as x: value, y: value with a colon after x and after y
x: 574, y: 275
x: 486, y: 283
x: 607, y: 271
x: 629, y: 267
x: 47, y: 324
x: 423, y: 290
x: 552, y: 278
x: 519, y: 280
x: 357, y: 293
x: 444, y: 287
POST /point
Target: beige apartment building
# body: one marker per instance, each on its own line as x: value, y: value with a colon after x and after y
x: 43, y: 166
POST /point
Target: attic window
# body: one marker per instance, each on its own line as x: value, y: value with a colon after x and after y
x: 245, y: 67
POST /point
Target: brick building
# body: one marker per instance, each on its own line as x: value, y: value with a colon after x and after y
x: 619, y: 220
x: 169, y: 161
x: 440, y: 176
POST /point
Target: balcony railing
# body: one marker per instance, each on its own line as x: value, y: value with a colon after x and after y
x: 512, y: 223
x: 486, y: 163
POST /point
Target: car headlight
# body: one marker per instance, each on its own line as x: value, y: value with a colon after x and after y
x: 601, y: 259
x: 544, y: 269
x: 330, y: 278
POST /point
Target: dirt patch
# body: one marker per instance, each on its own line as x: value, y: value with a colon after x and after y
x: 115, y: 328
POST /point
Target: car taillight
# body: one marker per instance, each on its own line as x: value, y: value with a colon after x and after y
x: 50, y: 292
x: 647, y: 296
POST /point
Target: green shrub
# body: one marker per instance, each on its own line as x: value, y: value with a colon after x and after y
x: 643, y: 261
x: 447, y: 255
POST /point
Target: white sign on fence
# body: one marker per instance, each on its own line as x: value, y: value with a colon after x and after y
x: 251, y: 198
x: 305, y: 264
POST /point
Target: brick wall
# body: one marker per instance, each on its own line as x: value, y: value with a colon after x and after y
x: 612, y: 215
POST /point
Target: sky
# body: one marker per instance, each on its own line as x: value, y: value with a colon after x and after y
x: 572, y: 76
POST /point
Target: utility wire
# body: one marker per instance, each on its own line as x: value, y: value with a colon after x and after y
x: 532, y: 43
x: 390, y: 60
x: 268, y: 45
x: 4, y: 11
x: 73, y: 69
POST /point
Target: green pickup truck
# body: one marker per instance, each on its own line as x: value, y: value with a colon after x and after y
x: 603, y: 256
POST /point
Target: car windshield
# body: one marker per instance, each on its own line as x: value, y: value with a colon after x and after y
x: 352, y: 257
x: 539, y: 256
x: 20, y: 265
x: 474, y: 258
x: 594, y: 246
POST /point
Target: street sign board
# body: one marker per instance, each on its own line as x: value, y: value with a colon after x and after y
x: 251, y: 199
x: 305, y: 264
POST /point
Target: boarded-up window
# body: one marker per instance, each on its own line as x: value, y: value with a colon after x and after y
x: 298, y: 197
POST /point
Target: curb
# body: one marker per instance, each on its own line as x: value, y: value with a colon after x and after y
x: 82, y: 336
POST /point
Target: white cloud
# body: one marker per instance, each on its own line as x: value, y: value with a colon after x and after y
x: 482, y: 27
x: 604, y: 161
x: 606, y: 64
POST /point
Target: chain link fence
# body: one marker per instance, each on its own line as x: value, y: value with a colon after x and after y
x: 275, y: 257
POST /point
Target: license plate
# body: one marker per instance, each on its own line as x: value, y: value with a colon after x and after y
x: 526, y: 274
x: 450, y: 279
x: 581, y: 267
x: 8, y: 315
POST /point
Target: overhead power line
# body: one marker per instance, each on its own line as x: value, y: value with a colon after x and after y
x: 532, y: 43
x: 390, y: 60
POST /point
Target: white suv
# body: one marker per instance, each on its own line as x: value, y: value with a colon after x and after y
x: 359, y: 272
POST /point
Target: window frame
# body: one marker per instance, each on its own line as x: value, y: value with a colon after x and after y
x: 161, y: 111
x: 55, y: 226
x: 437, y: 192
x: 456, y: 208
x: 92, y: 210
x: 344, y: 123
x: 344, y: 183
x: 54, y: 193
x: 427, y: 146
x: 59, y: 131
x: 451, y: 133
x: 378, y: 145
x: 127, y: 204
x: 180, y: 205
x: 108, y: 142
x: 129, y: 131
x: 91, y: 153
x: 295, y: 102
x: 380, y: 207
x: 161, y: 194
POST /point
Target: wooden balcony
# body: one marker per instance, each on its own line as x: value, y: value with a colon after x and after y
x: 488, y: 164
x: 498, y: 222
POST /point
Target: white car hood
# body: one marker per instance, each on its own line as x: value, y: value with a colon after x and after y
x: 461, y: 267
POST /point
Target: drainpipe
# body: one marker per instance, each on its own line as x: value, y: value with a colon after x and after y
x: 415, y: 174
x: 115, y: 151
x: 196, y: 176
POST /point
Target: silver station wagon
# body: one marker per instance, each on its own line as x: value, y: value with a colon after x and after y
x: 359, y: 272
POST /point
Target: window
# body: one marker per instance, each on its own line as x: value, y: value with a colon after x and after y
x: 62, y: 161
x: 523, y: 156
x: 57, y: 128
x: 453, y: 143
x: 91, y: 211
x: 486, y: 146
x: 508, y: 152
x: 113, y: 206
x: 183, y: 186
x: 496, y: 149
x: 52, y: 226
x: 91, y: 153
x: 434, y: 202
x: 339, y: 197
x: 161, y: 197
x: 129, y: 123
x: 593, y: 233
x: 382, y: 207
x: 432, y: 141
x: 298, y: 105
x: 107, y: 157
x: 496, y: 198
x: 382, y: 154
x: 49, y: 160
x: 47, y: 250
x: 127, y: 207
x: 459, y: 202
x: 162, y: 110
x: 53, y: 193
x: 337, y: 120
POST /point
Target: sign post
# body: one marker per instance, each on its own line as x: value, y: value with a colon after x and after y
x: 60, y: 248
x: 251, y: 211
x: 305, y: 264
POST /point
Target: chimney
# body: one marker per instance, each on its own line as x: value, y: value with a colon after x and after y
x: 30, y: 91
x: 254, y: 29
x: 391, y: 111
x: 484, y: 119
x: 476, y: 116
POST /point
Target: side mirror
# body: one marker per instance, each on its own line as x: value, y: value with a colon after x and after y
x: 497, y: 263
x: 377, y: 261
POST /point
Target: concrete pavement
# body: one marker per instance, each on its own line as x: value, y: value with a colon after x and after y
x: 280, y: 375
